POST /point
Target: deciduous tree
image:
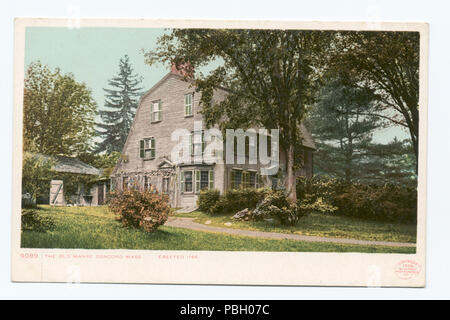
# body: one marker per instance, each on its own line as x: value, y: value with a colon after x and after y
x: 58, y: 112
x: 271, y: 76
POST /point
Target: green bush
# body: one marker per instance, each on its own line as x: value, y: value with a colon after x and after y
x: 33, y: 221
x: 137, y: 209
x: 208, y: 199
x: 238, y: 199
x: 389, y: 202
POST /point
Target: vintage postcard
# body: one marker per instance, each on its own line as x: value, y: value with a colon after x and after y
x: 220, y: 152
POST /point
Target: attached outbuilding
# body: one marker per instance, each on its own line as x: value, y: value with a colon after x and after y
x: 73, y: 182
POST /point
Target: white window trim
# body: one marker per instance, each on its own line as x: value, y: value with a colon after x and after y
x: 183, y: 181
x: 157, y: 111
x: 210, y: 182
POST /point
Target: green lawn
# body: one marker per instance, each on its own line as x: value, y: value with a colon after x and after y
x: 95, y: 228
x: 322, y: 225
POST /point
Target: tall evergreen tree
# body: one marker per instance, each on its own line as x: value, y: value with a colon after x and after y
x: 342, y: 126
x: 121, y: 101
x: 342, y: 123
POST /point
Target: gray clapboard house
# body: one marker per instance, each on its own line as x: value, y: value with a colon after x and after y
x: 146, y: 162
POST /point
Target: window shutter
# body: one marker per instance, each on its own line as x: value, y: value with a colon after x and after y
x: 197, y: 181
x: 203, y: 142
x: 151, y: 112
x: 141, y: 148
x: 152, y: 146
x: 182, y: 181
x: 211, y: 179
x: 191, y: 143
x: 160, y: 110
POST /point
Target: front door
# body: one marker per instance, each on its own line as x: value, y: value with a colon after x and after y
x: 100, y: 189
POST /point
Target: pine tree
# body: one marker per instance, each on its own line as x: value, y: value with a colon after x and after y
x: 121, y: 101
x: 342, y: 127
x: 343, y: 122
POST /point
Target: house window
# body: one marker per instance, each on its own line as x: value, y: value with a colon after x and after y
x: 197, y: 147
x: 204, y: 179
x: 243, y: 179
x: 186, y: 181
x: 165, y: 185
x: 147, y: 148
x: 188, y: 105
x: 125, y: 183
x: 236, y: 179
x: 253, y: 180
x: 249, y: 179
x: 156, y: 111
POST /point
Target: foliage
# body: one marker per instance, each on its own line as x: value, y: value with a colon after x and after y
x: 342, y: 127
x: 393, y: 163
x: 277, y: 206
x: 33, y: 221
x: 58, y: 112
x: 36, y: 175
x: 271, y: 76
x: 342, y: 124
x: 138, y: 209
x: 121, y: 101
x: 238, y: 199
x: 387, y: 202
x: 105, y: 161
x: 207, y: 199
x: 389, y: 63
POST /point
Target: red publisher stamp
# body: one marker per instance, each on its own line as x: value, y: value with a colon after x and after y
x: 407, y: 269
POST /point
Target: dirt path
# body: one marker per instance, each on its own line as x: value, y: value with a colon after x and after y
x: 188, y: 223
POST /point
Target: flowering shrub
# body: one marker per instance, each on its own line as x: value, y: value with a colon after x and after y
x: 137, y: 209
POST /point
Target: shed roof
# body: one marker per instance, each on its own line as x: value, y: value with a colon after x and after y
x: 74, y: 165
x: 71, y: 165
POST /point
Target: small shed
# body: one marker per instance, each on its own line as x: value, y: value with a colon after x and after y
x: 84, y: 194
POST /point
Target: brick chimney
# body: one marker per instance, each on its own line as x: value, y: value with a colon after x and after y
x: 184, y: 69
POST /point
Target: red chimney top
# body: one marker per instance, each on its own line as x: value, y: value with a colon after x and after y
x: 184, y: 69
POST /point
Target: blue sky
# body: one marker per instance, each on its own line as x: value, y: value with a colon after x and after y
x: 92, y: 55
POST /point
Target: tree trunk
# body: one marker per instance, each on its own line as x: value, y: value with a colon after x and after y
x: 290, y: 182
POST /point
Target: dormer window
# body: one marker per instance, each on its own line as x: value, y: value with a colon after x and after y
x: 156, y: 111
x: 188, y: 105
